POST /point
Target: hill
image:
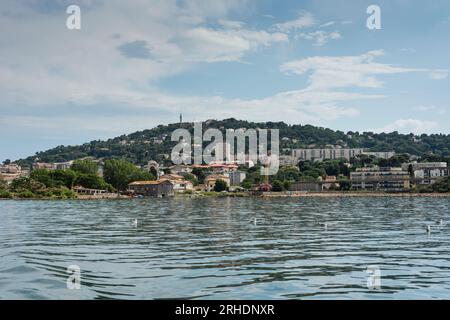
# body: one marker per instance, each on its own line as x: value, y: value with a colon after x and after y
x: 153, y: 144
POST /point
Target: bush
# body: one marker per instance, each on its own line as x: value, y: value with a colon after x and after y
x: 5, y: 194
x: 85, y: 167
x: 277, y: 186
x: 220, y: 185
x: 246, y: 185
x: 27, y: 194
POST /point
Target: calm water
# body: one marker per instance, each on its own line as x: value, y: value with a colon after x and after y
x: 210, y: 249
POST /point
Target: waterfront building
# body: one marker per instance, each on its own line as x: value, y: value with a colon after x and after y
x: 157, y: 188
x: 306, y: 186
x: 426, y: 173
x: 236, y: 177
x: 328, y: 182
x: 180, y: 185
x: 380, y: 179
x: 210, y: 181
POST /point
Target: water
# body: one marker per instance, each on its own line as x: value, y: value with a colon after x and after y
x: 211, y: 249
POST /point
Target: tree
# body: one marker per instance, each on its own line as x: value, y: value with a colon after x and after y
x: 442, y: 185
x: 7, y: 162
x: 277, y: 186
x: 246, y: 185
x: 345, y: 185
x: 93, y: 181
x: 85, y: 166
x: 190, y: 177
x: 120, y: 173
x: 287, y: 185
x: 220, y: 185
x: 200, y: 174
x: 56, y: 178
x: 153, y: 171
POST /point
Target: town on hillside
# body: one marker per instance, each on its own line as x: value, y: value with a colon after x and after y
x: 332, y: 169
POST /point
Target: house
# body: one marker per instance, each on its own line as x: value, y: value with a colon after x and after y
x: 180, y: 184
x: 179, y: 168
x: 10, y: 172
x: 236, y: 177
x: 90, y: 192
x: 380, y: 179
x: 157, y: 189
x: 210, y: 181
x: 329, y: 182
x: 171, y: 176
x: 44, y: 165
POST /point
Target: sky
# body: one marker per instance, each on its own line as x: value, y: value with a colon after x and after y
x: 136, y: 64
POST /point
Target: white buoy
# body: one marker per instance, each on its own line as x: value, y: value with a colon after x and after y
x: 428, y: 229
x: 135, y: 223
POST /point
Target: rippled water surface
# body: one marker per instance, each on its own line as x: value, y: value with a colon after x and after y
x: 211, y: 248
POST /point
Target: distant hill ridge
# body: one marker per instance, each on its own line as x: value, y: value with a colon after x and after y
x: 152, y: 144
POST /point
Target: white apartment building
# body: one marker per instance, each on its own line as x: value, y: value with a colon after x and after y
x: 325, y: 154
x: 336, y: 152
x: 380, y: 179
x: 427, y: 173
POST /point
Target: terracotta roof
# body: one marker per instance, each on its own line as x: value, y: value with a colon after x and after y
x: 139, y: 183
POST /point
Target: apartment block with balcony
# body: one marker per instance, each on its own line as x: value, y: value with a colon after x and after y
x: 380, y: 179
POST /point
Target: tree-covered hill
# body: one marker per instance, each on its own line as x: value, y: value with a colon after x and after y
x: 154, y: 144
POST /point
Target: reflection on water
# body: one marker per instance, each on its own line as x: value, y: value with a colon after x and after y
x: 212, y: 249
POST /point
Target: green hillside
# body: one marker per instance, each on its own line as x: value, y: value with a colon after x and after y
x: 153, y: 144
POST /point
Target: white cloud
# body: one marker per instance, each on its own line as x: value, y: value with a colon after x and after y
x: 157, y: 38
x: 320, y: 38
x: 439, y: 74
x: 344, y: 71
x: 408, y: 50
x: 410, y: 126
x: 202, y: 44
x: 433, y: 109
x: 327, y: 24
x: 304, y: 20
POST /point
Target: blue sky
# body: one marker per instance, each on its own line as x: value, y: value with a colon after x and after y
x: 136, y: 64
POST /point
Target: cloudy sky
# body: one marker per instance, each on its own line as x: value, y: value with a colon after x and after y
x: 139, y: 63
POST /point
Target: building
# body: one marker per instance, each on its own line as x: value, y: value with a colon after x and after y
x: 236, y: 177
x: 10, y: 172
x: 335, y: 152
x: 286, y: 160
x: 381, y: 154
x: 325, y: 154
x: 210, y: 181
x: 217, y: 168
x: 10, y: 168
x: 179, y: 168
x: 44, y: 165
x: 157, y: 188
x: 305, y: 186
x: 90, y: 192
x: 180, y: 185
x: 329, y: 182
x: 380, y: 179
x: 426, y: 173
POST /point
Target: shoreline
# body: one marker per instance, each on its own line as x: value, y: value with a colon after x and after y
x: 353, y: 194
x: 263, y: 195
